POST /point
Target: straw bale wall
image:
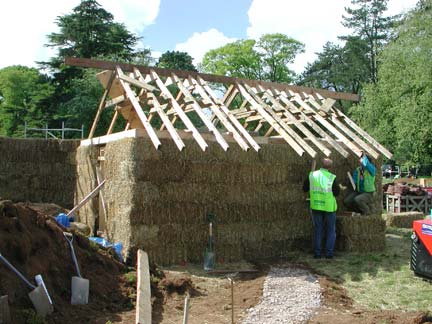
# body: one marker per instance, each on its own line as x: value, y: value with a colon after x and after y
x: 38, y: 170
x: 158, y: 200
x: 403, y: 220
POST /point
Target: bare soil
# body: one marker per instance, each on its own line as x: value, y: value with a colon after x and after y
x: 32, y: 241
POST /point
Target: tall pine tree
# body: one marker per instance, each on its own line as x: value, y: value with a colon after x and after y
x: 368, y: 22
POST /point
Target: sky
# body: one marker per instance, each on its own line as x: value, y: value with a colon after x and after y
x: 193, y: 26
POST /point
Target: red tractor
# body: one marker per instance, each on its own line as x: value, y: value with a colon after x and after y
x: 421, y: 248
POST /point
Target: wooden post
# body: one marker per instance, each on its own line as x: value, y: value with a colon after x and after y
x: 4, y: 310
x: 232, y: 300
x: 143, y: 304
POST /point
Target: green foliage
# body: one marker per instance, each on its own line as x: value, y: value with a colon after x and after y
x: 265, y: 59
x: 85, y: 94
x: 339, y: 68
x: 397, y: 110
x: 131, y: 277
x: 24, y: 94
x: 90, y: 31
x: 176, y: 60
x: 369, y: 23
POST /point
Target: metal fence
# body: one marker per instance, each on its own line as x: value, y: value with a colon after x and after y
x: 52, y: 132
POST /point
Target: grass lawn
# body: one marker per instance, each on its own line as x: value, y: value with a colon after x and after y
x: 380, y: 280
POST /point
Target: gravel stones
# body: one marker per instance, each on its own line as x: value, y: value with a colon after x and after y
x: 290, y: 295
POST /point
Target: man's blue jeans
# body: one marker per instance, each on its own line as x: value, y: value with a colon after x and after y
x: 323, y: 219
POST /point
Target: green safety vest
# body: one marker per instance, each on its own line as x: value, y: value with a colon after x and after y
x: 368, y: 181
x: 320, y: 189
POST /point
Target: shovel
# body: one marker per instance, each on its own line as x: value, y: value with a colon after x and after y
x: 80, y: 286
x: 209, y: 256
x: 39, y: 295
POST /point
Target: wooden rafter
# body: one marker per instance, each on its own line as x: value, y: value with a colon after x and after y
x: 185, y: 119
x: 305, y: 118
x: 131, y: 95
x: 228, y: 113
x: 270, y: 119
x: 105, y: 65
x: 201, y: 114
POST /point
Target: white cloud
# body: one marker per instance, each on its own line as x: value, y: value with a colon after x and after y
x: 25, y: 24
x: 200, y: 43
x: 313, y: 22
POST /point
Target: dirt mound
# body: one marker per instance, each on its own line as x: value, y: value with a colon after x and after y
x: 179, y: 285
x: 34, y: 243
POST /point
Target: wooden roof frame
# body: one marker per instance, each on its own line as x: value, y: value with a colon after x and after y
x: 303, y: 117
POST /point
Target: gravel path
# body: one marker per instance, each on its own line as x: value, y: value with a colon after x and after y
x: 290, y: 295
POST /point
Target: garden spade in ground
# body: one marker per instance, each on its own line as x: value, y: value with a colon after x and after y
x: 80, y: 286
x: 39, y: 294
x: 209, y: 256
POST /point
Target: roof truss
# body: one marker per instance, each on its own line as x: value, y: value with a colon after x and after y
x: 304, y: 118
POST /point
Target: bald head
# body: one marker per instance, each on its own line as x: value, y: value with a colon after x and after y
x: 327, y: 162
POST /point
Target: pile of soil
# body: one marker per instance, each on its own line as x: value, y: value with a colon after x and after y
x: 34, y: 243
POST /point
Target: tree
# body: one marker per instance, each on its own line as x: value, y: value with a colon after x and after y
x: 176, y: 60
x: 277, y: 52
x: 339, y: 68
x: 24, y: 94
x: 369, y: 23
x: 90, y: 31
x: 80, y: 109
x: 266, y: 59
x: 397, y: 109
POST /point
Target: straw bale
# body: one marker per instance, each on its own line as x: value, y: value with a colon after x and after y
x: 361, y: 243
x: 403, y: 220
x: 150, y: 192
x: 158, y: 200
x: 38, y: 170
x: 86, y: 168
x: 161, y: 212
x: 360, y: 225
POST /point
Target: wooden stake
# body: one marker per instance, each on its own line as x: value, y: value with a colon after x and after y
x: 86, y: 198
x: 5, y: 317
x: 101, y: 105
x: 351, y: 180
x: 232, y: 300
x: 143, y: 303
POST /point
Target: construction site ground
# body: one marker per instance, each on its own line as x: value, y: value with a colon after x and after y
x: 34, y: 243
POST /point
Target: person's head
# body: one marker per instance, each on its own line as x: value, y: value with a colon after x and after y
x: 363, y: 154
x: 327, y: 163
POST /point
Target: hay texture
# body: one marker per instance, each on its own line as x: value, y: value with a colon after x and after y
x: 157, y: 200
x: 38, y: 170
x: 360, y: 233
x: 402, y: 220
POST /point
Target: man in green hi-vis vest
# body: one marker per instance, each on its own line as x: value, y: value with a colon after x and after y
x: 364, y: 180
x: 323, y: 189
